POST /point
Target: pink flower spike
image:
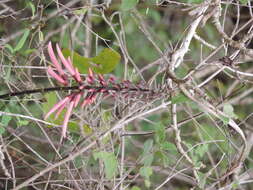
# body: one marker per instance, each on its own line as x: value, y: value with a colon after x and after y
x: 90, y: 78
x: 101, y: 80
x: 86, y: 102
x: 91, y: 73
x: 54, y: 60
x: 57, y: 106
x: 66, y: 119
x: 77, y: 76
x: 64, y: 61
x: 77, y: 98
x: 56, y: 76
x: 70, y: 63
x: 59, y: 111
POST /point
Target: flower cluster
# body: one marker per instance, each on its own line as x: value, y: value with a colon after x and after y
x: 93, y: 85
x: 71, y: 101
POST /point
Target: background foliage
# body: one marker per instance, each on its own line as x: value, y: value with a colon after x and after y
x: 135, y: 142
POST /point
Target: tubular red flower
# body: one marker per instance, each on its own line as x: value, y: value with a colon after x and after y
x: 56, y: 76
x: 54, y: 60
x: 57, y: 106
x: 90, y: 77
x: 102, y: 80
x: 66, y: 119
x: 77, y: 98
x: 59, y: 111
x: 78, y: 76
x: 64, y: 61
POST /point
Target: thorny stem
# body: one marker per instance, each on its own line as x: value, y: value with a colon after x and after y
x: 66, y: 88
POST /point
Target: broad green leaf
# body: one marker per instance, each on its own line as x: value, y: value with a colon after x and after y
x: 51, y: 100
x: 80, y: 11
x: 22, y: 40
x: 169, y: 147
x: 147, y: 159
x: 2, y: 130
x: 146, y: 172
x: 110, y: 162
x: 201, y: 150
x: 179, y: 98
x: 243, y: 1
x: 104, y: 62
x: 147, y: 147
x: 229, y: 110
x: 9, y: 47
x: 87, y: 129
x: 5, y: 118
x: 135, y: 188
x: 79, y: 162
x: 29, y: 51
x: 160, y: 134
x: 127, y: 5
x: 23, y: 122
x: 160, y: 156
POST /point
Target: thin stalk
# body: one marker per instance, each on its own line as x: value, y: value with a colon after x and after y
x: 66, y: 88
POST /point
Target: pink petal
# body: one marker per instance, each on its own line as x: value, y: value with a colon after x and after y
x: 64, y: 61
x: 101, y: 80
x: 66, y: 119
x: 111, y: 80
x: 88, y: 100
x: 70, y: 63
x: 53, y: 59
x: 59, y: 111
x: 56, y: 76
x: 91, y: 73
x: 85, y: 102
x: 90, y: 78
x: 77, y: 98
x: 57, y: 106
x: 77, y: 76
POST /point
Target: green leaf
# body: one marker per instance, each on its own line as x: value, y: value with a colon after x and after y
x: 243, y: 1
x: 135, y: 188
x: 79, y: 162
x: 31, y: 5
x: 202, y: 179
x: 160, y: 156
x: 127, y: 5
x: 104, y: 62
x: 5, y: 118
x: 229, y: 110
x: 9, y: 47
x: 2, y: 130
x: 148, y: 159
x: 51, y: 100
x: 80, y: 11
x: 147, y: 147
x: 22, y: 40
x: 7, y: 76
x: 146, y: 172
x: 41, y: 36
x: 169, y: 147
x: 22, y: 122
x: 179, y: 98
x: 110, y: 162
x: 224, y: 119
x: 201, y: 150
x: 160, y: 134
